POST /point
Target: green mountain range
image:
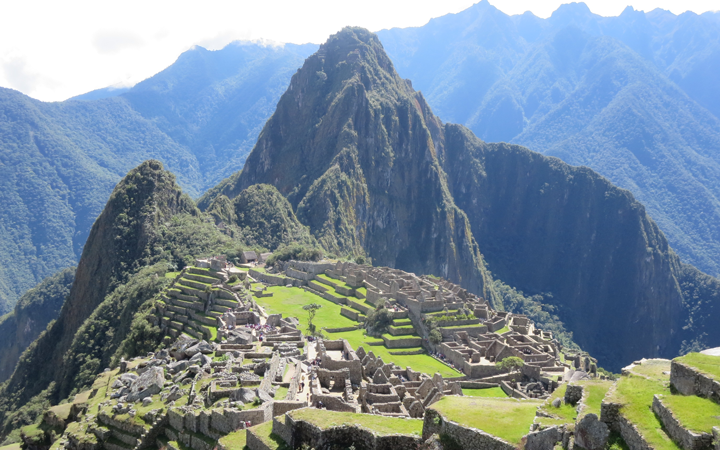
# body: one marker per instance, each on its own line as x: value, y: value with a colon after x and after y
x: 633, y: 97
x: 353, y: 159
x: 60, y: 161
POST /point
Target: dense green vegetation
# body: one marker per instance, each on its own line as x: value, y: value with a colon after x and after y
x: 60, y: 161
x: 603, y: 92
x: 31, y: 315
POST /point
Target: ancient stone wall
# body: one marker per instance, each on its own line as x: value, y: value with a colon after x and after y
x: 689, y: 381
x: 687, y: 439
x: 544, y: 439
x: 465, y: 437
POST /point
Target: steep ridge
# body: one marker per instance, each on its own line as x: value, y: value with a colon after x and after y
x: 262, y: 217
x: 60, y: 161
x: 148, y: 227
x: 544, y: 226
x: 31, y: 315
x: 633, y: 97
x: 122, y: 240
x: 350, y: 148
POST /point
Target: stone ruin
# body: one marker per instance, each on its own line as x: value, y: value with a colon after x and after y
x: 356, y: 381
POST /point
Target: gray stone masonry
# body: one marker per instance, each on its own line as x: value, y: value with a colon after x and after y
x: 591, y: 434
x: 465, y: 437
x: 690, y: 381
x: 687, y: 439
x: 544, y: 439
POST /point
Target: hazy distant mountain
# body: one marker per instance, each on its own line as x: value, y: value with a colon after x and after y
x: 634, y: 97
x: 60, y: 161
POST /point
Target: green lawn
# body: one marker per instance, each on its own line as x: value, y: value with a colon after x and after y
x: 709, y: 365
x: 281, y: 393
x: 488, y: 392
x: 565, y: 413
x: 636, y: 395
x: 506, y: 418
x: 695, y: 413
x: 502, y: 330
x: 421, y: 363
x: 289, y: 303
x: 595, y: 392
x: 236, y: 440
x: 264, y: 432
x: 382, y: 426
x: 653, y: 369
x: 171, y: 275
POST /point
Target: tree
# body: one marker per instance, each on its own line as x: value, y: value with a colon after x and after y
x: 511, y: 364
x: 435, y: 336
x: 378, y: 321
x: 312, y: 308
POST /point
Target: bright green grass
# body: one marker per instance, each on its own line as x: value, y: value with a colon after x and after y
x: 332, y: 280
x: 237, y: 440
x: 709, y: 365
x: 281, y: 393
x: 171, y: 275
x: 636, y: 395
x: 595, y: 391
x: 502, y: 330
x: 506, y: 418
x: 361, y: 290
x: 420, y: 363
x: 289, y: 303
x: 653, y: 369
x: 488, y: 392
x: 398, y: 338
x: 565, y: 413
x: 264, y: 432
x: 694, y: 413
x: 62, y: 411
x: 382, y: 426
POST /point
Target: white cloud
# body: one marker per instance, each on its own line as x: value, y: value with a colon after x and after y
x: 112, y: 42
x: 17, y: 75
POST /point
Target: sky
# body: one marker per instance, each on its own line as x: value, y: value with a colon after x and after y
x: 52, y: 50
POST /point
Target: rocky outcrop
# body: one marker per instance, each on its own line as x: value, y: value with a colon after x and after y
x: 31, y: 316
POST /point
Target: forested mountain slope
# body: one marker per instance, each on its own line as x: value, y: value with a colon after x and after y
x: 631, y: 97
x: 60, y: 161
x: 378, y: 174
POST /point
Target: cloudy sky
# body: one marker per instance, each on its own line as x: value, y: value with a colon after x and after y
x: 53, y: 50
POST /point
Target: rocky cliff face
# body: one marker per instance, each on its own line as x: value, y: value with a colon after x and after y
x: 31, y: 315
x: 350, y: 148
x: 369, y: 168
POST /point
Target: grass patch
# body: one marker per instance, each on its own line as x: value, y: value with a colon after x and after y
x: 235, y: 441
x: 383, y: 426
x: 502, y: 330
x: 636, y: 395
x: 487, y: 392
x: 595, y: 391
x: 171, y: 275
x: 289, y: 303
x: 564, y: 414
x: 653, y: 369
x: 421, y: 363
x: 707, y: 364
x: 264, y: 432
x: 15, y: 446
x: 506, y: 418
x: 694, y: 413
x: 281, y: 393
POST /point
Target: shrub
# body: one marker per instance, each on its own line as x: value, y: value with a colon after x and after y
x: 511, y: 364
x: 296, y: 252
x: 378, y: 321
x: 435, y: 336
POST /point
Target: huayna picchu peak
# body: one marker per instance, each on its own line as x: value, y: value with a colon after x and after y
x: 372, y: 278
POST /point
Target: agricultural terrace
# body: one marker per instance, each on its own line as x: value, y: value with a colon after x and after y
x: 506, y: 418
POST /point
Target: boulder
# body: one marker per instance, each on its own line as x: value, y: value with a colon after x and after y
x: 200, y: 359
x: 557, y: 403
x: 178, y: 366
x: 148, y: 384
x: 243, y: 395
x: 263, y: 396
x: 591, y: 434
x: 128, y: 378
x: 239, y: 337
